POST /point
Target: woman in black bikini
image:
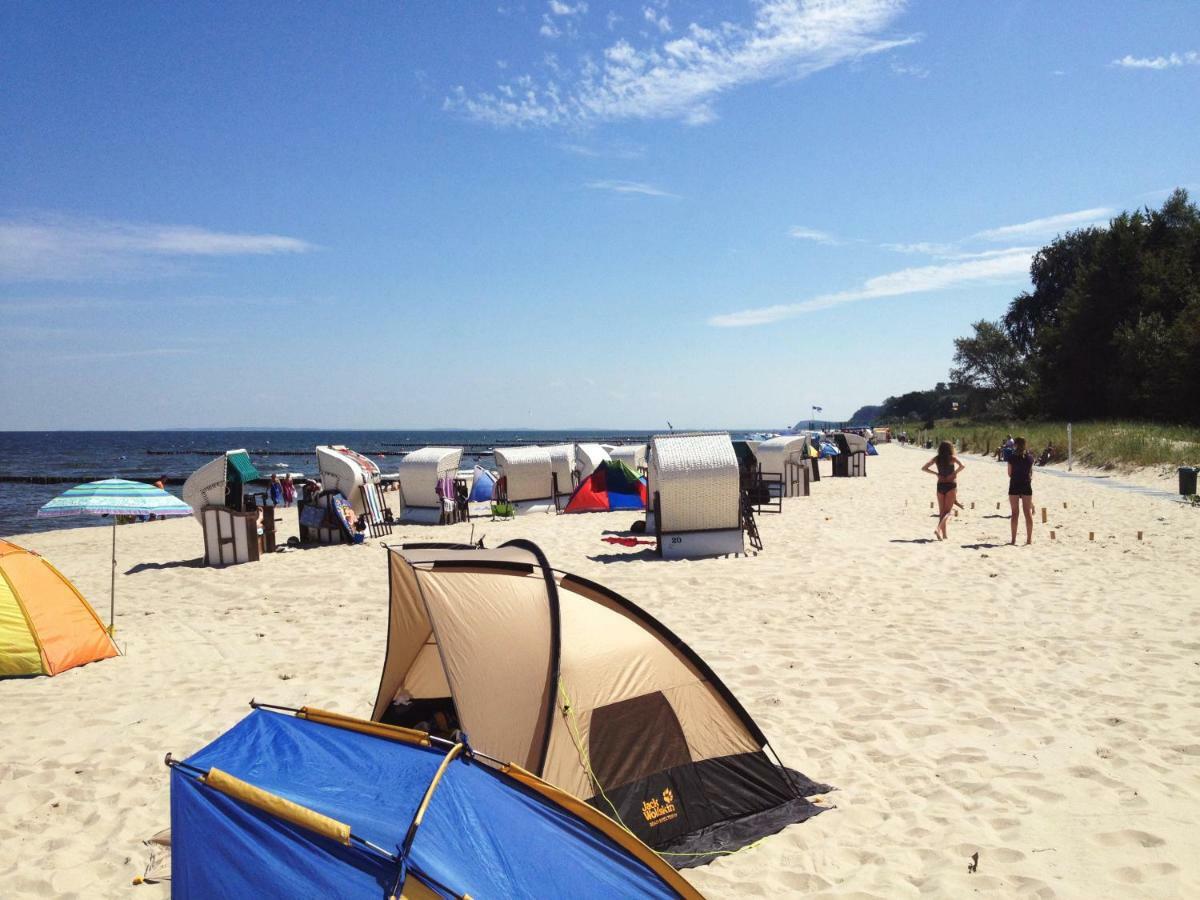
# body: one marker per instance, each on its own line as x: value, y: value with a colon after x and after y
x: 948, y: 467
x: 1020, y: 488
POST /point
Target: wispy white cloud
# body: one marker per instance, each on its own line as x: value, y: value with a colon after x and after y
x: 812, y: 234
x: 680, y: 78
x: 559, y: 18
x: 1171, y: 61
x: 55, y: 304
x: 924, y: 248
x: 1006, y: 266
x: 629, y: 187
x: 1048, y: 226
x: 605, y: 151
x: 658, y: 19
x: 912, y: 70
x: 558, y: 8
x: 101, y: 355
x: 57, y: 248
x: 958, y: 263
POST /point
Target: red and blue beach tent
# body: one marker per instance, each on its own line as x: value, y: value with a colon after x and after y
x: 612, y: 486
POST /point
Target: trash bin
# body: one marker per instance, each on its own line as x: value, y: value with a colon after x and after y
x: 1187, y: 480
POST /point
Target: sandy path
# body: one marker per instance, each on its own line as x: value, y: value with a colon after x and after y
x: 1039, y: 706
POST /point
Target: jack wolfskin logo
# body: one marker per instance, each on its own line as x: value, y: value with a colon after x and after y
x: 655, y: 812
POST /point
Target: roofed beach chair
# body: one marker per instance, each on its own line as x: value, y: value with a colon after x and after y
x: 588, y: 457
x: 851, y: 461
x: 787, y: 456
x: 566, y: 478
x: 695, y: 492
x: 633, y: 455
x: 528, y: 474
x: 423, y: 493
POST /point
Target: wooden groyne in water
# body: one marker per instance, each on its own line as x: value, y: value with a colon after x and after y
x: 398, y: 449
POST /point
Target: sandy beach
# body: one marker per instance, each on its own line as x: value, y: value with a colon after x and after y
x: 1039, y: 706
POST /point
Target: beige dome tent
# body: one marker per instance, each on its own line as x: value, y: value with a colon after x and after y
x: 581, y: 687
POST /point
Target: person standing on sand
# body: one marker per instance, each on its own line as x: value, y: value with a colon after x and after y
x: 1020, y: 488
x: 275, y: 491
x: 289, y: 489
x: 948, y: 466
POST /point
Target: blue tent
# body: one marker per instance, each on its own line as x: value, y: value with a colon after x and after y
x: 483, y: 485
x: 322, y: 805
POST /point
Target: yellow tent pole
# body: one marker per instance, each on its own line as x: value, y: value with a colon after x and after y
x: 277, y: 806
x: 437, y: 777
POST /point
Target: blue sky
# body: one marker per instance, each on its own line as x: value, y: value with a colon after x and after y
x: 549, y: 214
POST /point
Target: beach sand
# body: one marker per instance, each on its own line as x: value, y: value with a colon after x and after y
x: 1038, y: 706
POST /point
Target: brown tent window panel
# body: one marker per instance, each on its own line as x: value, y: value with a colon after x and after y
x: 635, y: 738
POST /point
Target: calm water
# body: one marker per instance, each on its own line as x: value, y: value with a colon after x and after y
x: 78, y: 456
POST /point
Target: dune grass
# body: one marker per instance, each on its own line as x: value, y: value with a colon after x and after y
x: 1106, y: 445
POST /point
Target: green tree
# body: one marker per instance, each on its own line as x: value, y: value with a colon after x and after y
x: 990, y: 361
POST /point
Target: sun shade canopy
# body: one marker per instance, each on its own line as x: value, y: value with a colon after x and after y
x: 315, y: 806
x: 115, y: 497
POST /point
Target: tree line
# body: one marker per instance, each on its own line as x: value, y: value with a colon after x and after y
x: 1111, y: 329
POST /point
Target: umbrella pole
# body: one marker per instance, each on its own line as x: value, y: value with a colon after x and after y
x: 112, y: 591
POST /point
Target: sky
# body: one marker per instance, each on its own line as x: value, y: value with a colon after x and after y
x: 549, y: 214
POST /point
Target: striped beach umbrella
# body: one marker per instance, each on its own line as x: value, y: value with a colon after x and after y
x: 115, y: 497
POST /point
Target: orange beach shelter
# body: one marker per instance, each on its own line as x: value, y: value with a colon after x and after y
x: 46, y: 626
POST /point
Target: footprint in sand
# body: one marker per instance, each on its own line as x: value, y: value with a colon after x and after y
x: 1128, y: 837
x: 1093, y: 775
x: 1140, y: 874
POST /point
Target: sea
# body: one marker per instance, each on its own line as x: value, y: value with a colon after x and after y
x: 38, y: 466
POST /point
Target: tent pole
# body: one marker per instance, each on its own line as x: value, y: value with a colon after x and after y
x: 112, y: 591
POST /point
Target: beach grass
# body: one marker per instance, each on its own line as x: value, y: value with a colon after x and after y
x: 1105, y: 445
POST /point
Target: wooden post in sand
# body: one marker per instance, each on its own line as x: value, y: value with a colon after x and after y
x: 1052, y: 535
x: 1139, y: 535
x: 1091, y: 535
x: 997, y: 506
x: 972, y: 504
x: 1043, y: 515
x: 1064, y: 504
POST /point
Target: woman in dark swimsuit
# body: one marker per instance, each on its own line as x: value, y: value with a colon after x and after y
x: 1020, y: 488
x: 948, y: 467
